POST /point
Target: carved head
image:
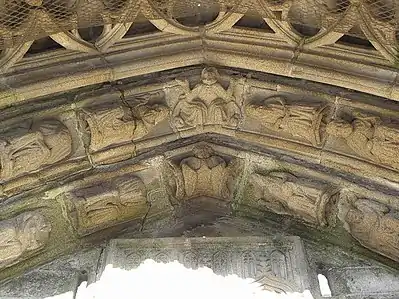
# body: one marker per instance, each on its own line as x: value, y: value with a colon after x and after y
x: 339, y: 128
x: 33, y: 231
x: 209, y: 75
x: 153, y: 114
x: 203, y: 151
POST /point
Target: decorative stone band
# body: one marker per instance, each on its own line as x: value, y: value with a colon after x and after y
x: 280, y: 265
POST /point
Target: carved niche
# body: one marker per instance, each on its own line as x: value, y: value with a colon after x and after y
x: 300, y: 120
x: 29, y: 149
x: 107, y: 203
x: 373, y: 224
x: 22, y: 236
x: 204, y: 174
x: 286, y: 194
x: 121, y: 124
x: 207, y: 103
x: 369, y: 138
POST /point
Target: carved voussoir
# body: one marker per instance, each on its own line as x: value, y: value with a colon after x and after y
x: 373, y: 224
x: 114, y: 125
x: 284, y: 193
x: 107, y: 203
x: 31, y: 148
x: 304, y: 121
x: 204, y: 173
x: 208, y: 103
x: 22, y: 236
x: 368, y: 137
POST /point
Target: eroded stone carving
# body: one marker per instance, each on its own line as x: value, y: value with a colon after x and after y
x: 300, y: 120
x: 373, y: 224
x: 45, y: 143
x: 368, y: 137
x: 284, y: 193
x: 205, y: 174
x: 22, y: 236
x: 207, y: 103
x: 107, y: 203
x: 116, y: 125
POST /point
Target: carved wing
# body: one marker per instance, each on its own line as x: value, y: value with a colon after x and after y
x: 273, y: 283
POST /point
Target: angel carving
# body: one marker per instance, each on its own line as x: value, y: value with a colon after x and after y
x: 207, y: 103
x: 369, y: 138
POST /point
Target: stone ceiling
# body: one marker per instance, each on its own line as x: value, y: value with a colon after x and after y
x: 156, y: 122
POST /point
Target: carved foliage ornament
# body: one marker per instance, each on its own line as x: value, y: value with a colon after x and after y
x: 373, y: 224
x: 299, y: 120
x: 369, y: 138
x: 21, y: 236
x: 284, y: 193
x: 204, y: 174
x: 105, y: 204
x: 207, y: 103
x: 44, y: 143
x: 116, y: 125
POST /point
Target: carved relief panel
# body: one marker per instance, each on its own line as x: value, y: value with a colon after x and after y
x: 368, y: 137
x: 208, y: 103
x: 306, y: 121
x: 277, y: 267
x: 203, y: 174
x: 284, y: 193
x: 113, y: 125
x: 107, y: 203
x: 22, y: 236
x: 374, y: 225
x: 34, y: 146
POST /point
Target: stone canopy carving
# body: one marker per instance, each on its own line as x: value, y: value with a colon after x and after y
x: 373, y: 224
x: 203, y: 174
x: 107, y: 203
x: 116, y: 125
x: 22, y: 236
x: 44, y: 143
x: 284, y: 193
x: 299, y: 120
x: 368, y: 137
x: 207, y: 103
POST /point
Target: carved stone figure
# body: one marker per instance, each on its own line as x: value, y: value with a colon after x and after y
x: 373, y: 224
x: 369, y: 138
x: 205, y: 174
x: 303, y: 121
x: 45, y: 143
x: 23, y: 235
x: 108, y: 203
x: 207, y: 103
x: 284, y: 193
x: 121, y: 124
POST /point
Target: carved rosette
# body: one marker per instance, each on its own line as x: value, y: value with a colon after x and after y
x: 44, y: 143
x: 208, y: 103
x: 107, y: 203
x: 286, y: 194
x: 204, y: 174
x: 374, y: 225
x: 22, y: 237
x: 111, y: 126
x: 304, y: 121
x: 368, y: 137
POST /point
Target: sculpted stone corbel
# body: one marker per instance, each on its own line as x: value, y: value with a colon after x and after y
x: 374, y: 225
x: 44, y: 143
x: 205, y: 174
x: 283, y: 193
x: 22, y: 236
x: 207, y: 103
x: 369, y: 138
x: 121, y: 124
x: 303, y: 121
x: 107, y: 203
